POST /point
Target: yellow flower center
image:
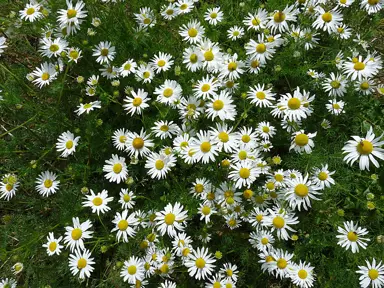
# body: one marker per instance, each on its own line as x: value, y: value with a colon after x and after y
x: 164, y: 269
x: 48, y: 183
x: 270, y: 185
x: 259, y: 199
x: 132, y: 270
x: 259, y: 217
x: 200, y: 263
x: 205, y: 147
x: 260, y: 95
x: 69, y: 144
x: 373, y: 2
x: 199, y: 188
x: 208, y: 56
x: 74, y: 54
x: 322, y: 176
x: 365, y: 147
x: 352, y: 236
x: 52, y: 246
x: 242, y: 155
x: 245, y: 138
x: 229, y: 272
x: 301, y: 190
x: 211, y: 196
x: 232, y: 222
x: 186, y: 252
x: 87, y: 106
x: 294, y: 103
x: 279, y: 17
x: 146, y: 74
x: 169, y: 12
x: 278, y: 222
x: 269, y: 259
x: 302, y: 274
x: 224, y: 137
x: 232, y: 66
x: 104, y: 52
x: 193, y: 58
x: 359, y: 66
x: 282, y: 263
x: 236, y: 33
x: 205, y: 87
x: 76, y: 233
x: 373, y: 274
x: 123, y: 225
x: 122, y: 139
x: 336, y: 106
x: 81, y: 263
x: 159, y: 164
x: 30, y: 11
x: 265, y: 129
x: 279, y: 177
x: 71, y: 13
x: 127, y: 66
x: 335, y: 84
x: 327, y: 17
x: 184, y: 6
x: 147, y: 21
x: 340, y: 29
x: 126, y: 198
x: 169, y: 218
x: 255, y: 64
x: 213, y: 15
x: 218, y: 105
x: 45, y: 76
x: 117, y: 168
x: 301, y: 140
x: 244, y: 173
x: 138, y: 143
x: 248, y: 194
x: 9, y: 187
x: 206, y: 210
x: 54, y: 48
x: 264, y: 241
x: 97, y: 201
x: 261, y: 48
x: 256, y: 21
x: 161, y: 63
x: 216, y: 285
x: 364, y: 85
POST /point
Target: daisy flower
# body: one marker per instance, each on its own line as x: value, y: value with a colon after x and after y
x: 193, y: 32
x: 256, y: 218
x: 206, y: 211
x: 17, y: 268
x: 8, y: 283
x: 127, y: 68
x: 44, y: 75
x: 221, y: 106
x: 168, y: 284
x: 81, y: 263
x: 279, y: 20
x: 159, y: 164
x: 343, y: 31
x: 282, y: 264
x: 125, y: 225
x: 52, y: 47
x: 366, y: 86
x: 299, y: 192
x: 165, y: 129
x: 302, y: 275
x: 146, y: 18
x: 200, y: 265
x: 232, y: 221
x: 137, y: 103
x: 98, y: 202
x: 162, y: 62
x: 205, y: 149
x: 213, y: 16
x: 8, y: 186
x: 243, y: 174
x: 133, y: 270
x: 104, y: 52
x: 138, y: 144
x: 185, y: 6
x: 212, y: 55
x: 206, y: 88
x: 116, y: 169
x: 72, y: 17
x: 372, y: 274
x: 145, y: 73
x: 364, y: 149
x: 109, y: 71
x: 302, y: 142
x: 169, y: 93
x: 357, y: 68
x: 225, y: 138
x: 350, y: 236
x: 193, y: 58
x: 248, y: 138
x: 335, y: 85
x: 335, y: 107
x: 169, y: 12
x: 66, y: 143
x: 74, y: 54
x: 31, y: 12
x: 372, y: 6
x: 261, y: 50
x: 53, y: 244
x: 322, y: 177
x: 88, y: 107
x: 119, y: 138
x: 47, y: 183
x: 294, y: 107
x: 260, y: 96
x: 200, y: 188
x: 280, y: 220
x: 253, y: 66
x: 265, y: 130
x: 235, y: 32
x: 127, y: 199
x: 257, y: 20
x: 327, y: 20
x: 75, y: 236
x: 262, y: 240
x: 171, y: 219
x: 3, y: 44
x: 230, y: 272
x: 232, y: 68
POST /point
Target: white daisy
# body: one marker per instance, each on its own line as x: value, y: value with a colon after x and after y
x: 261, y: 97
x: 81, y: 263
x: 302, y: 275
x: 260, y: 50
x: 171, y: 219
x: 104, y: 52
x: 53, y: 245
x: 280, y: 219
x: 235, y: 32
x: 243, y: 173
x: 116, y: 169
x: 137, y: 103
x: 133, y: 270
x: 44, y: 75
x: 88, y: 107
x: 213, y: 16
x: 257, y: 20
x: 357, y: 68
x: 52, y: 47
x: 125, y: 225
x: 262, y: 240
x: 139, y: 144
x: 8, y: 186
x: 302, y: 142
x: 47, y: 183
x: 66, y: 143
x: 327, y: 20
x: 119, y: 138
x: 193, y: 58
x: 282, y: 264
x: 75, y: 236
x: 98, y: 202
x: 162, y: 62
x: 225, y: 138
x: 31, y: 12
x: 145, y: 73
x: 335, y: 107
x: 169, y: 92
x: 159, y: 164
x: 206, y: 88
x: 127, y: 68
x: 351, y: 236
x: 372, y: 274
x: 322, y: 177
x: 212, y: 55
x: 232, y: 68
x: 279, y: 20
x: 200, y: 265
x: 127, y: 199
x: 335, y: 85
x: 205, y: 150
x: 372, y: 6
x: 71, y: 18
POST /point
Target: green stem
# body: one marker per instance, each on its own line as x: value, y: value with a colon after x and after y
x: 19, y: 126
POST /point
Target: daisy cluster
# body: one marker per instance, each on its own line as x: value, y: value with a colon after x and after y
x: 205, y: 126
